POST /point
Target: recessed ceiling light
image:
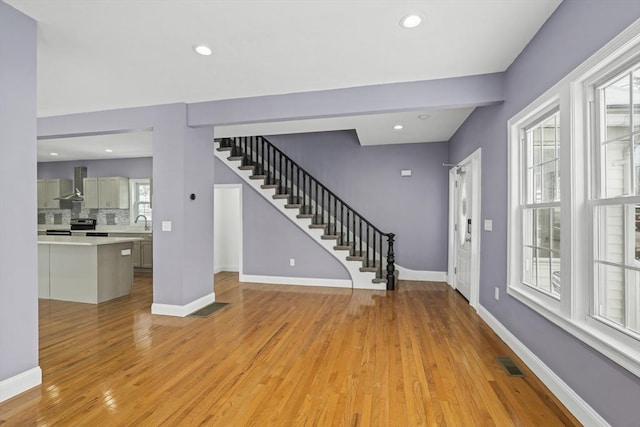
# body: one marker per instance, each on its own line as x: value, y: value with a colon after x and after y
x: 202, y: 49
x: 411, y: 21
x: 53, y: 154
x: 398, y: 127
x: 108, y: 150
x: 423, y: 116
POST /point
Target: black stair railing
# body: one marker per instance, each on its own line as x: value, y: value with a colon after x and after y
x: 340, y: 221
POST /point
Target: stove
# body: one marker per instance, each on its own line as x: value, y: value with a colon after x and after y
x: 83, y: 224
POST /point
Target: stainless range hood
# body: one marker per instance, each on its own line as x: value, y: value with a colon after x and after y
x: 79, y: 174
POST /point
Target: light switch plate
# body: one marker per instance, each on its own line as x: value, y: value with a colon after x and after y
x: 166, y: 225
x: 405, y: 172
x: 125, y: 252
x: 488, y: 225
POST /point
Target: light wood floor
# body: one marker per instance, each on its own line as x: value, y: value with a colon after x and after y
x: 279, y: 355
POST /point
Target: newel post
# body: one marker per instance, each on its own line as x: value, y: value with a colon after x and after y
x: 391, y: 277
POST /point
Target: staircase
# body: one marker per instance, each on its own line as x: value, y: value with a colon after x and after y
x: 365, y: 251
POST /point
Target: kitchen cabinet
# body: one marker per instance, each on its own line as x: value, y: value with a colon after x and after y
x: 49, y: 189
x: 142, y: 253
x: 106, y: 193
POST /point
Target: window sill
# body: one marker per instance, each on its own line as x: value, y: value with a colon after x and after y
x: 623, y: 350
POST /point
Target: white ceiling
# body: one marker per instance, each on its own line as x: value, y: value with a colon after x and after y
x: 122, y: 145
x: 105, y: 54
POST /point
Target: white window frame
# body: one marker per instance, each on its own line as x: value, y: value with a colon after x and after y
x: 573, y: 312
x: 133, y: 199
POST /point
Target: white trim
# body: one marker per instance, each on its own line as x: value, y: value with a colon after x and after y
x: 569, y: 398
x: 183, y: 310
x: 20, y: 383
x: 300, y: 281
x: 423, y: 275
x: 219, y: 268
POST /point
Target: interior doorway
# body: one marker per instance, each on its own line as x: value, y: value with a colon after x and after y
x: 464, y: 227
x: 227, y: 227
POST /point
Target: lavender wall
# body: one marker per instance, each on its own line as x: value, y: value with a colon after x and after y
x: 575, y: 31
x: 368, y: 178
x: 130, y: 168
x: 18, y: 247
x: 270, y: 239
x: 182, y: 164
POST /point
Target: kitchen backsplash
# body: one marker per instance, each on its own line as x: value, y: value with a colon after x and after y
x: 63, y: 216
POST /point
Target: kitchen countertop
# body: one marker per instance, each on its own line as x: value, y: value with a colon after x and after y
x: 99, y: 228
x: 84, y: 241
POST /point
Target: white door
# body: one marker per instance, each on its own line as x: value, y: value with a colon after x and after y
x: 227, y: 228
x: 462, y: 229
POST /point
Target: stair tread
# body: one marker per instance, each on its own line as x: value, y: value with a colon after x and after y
x: 304, y: 216
x: 329, y: 237
x: 317, y: 225
x: 257, y: 176
x: 342, y: 247
x: 293, y: 206
x: 280, y: 196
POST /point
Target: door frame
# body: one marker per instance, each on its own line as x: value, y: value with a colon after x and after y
x: 475, y: 161
x: 241, y: 223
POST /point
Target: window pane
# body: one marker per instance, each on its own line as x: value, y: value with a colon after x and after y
x: 536, y: 143
x: 636, y: 100
x: 549, y: 182
x: 610, y: 245
x: 529, y: 276
x: 555, y: 241
x: 555, y: 273
x: 616, y: 163
x: 633, y: 301
x: 636, y: 162
x: 549, y: 139
x: 536, y: 197
x: 528, y: 226
x: 611, y: 293
x: 617, y: 108
x: 543, y: 267
x: 543, y: 228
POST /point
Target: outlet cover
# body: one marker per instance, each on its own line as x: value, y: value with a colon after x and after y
x: 292, y: 262
x: 497, y: 293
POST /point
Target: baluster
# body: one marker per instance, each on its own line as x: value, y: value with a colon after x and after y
x: 342, y: 222
x: 380, y: 267
x: 262, y: 154
x: 391, y: 279
x: 374, y: 249
x: 335, y: 214
x: 367, y: 245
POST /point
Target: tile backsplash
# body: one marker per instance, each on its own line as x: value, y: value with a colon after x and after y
x: 103, y: 216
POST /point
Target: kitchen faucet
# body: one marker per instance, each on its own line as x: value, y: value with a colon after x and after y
x: 146, y: 226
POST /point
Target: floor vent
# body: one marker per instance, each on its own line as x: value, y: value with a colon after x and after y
x: 510, y: 366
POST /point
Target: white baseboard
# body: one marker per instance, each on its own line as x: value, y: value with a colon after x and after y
x: 218, y: 268
x: 301, y: 281
x: 20, y: 383
x: 427, y: 276
x: 578, y: 407
x: 183, y: 310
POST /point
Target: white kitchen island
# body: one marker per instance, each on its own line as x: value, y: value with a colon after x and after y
x: 84, y: 269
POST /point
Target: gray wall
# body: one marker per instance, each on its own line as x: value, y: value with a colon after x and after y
x: 574, y: 32
x: 368, y: 178
x: 130, y: 168
x: 18, y: 248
